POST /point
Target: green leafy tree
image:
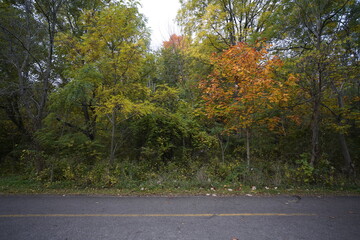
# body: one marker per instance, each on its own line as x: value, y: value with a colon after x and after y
x: 319, y: 35
x: 223, y: 23
x: 175, y: 66
x: 114, y: 44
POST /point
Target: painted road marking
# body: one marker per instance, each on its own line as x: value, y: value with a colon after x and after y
x: 158, y: 215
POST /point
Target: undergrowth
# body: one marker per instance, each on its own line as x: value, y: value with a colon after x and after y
x: 141, y: 177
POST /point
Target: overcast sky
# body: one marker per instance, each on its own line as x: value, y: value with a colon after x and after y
x: 161, y: 16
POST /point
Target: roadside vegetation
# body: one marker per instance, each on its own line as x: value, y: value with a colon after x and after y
x: 256, y: 96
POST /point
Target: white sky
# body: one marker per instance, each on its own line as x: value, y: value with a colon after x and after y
x: 161, y: 16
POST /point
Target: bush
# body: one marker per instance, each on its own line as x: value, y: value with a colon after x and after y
x: 127, y: 174
x: 304, y: 172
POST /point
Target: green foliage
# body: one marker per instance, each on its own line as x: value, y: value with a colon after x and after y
x: 168, y: 137
x: 304, y: 173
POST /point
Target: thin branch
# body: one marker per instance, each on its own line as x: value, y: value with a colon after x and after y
x: 23, y: 45
x: 328, y: 108
x: 73, y: 126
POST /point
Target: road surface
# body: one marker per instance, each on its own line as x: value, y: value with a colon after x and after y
x: 221, y: 218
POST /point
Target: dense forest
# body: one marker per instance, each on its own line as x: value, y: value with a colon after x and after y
x: 257, y: 92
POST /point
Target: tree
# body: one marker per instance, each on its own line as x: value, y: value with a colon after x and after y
x: 242, y: 87
x: 18, y: 46
x: 114, y: 44
x: 74, y: 105
x: 28, y: 28
x: 214, y: 25
x: 316, y: 33
x: 224, y: 22
x: 173, y: 61
x: 174, y: 66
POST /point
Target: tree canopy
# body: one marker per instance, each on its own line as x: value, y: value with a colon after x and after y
x: 252, y: 90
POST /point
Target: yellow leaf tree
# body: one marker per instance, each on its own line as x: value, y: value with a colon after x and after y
x: 114, y: 43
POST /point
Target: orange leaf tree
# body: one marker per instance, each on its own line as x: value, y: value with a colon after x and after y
x: 243, y: 87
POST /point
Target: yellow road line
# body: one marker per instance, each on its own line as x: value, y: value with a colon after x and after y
x: 156, y: 215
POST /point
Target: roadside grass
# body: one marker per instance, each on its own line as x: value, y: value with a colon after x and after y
x: 18, y: 184
x: 13, y: 184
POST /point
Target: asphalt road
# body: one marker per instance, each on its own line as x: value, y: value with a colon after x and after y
x: 109, y: 217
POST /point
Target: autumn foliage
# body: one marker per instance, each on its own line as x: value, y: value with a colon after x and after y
x: 176, y: 42
x: 86, y: 97
x: 243, y: 86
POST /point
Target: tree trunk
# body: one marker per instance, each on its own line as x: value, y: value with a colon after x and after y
x: 222, y: 150
x: 317, y: 95
x: 223, y: 147
x: 348, y: 166
x: 112, y: 145
x: 90, y: 123
x: 50, y: 13
x: 46, y: 79
x: 315, y: 128
x: 248, y: 147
